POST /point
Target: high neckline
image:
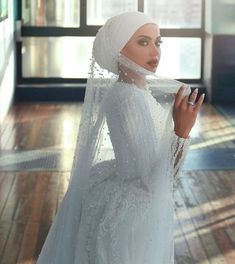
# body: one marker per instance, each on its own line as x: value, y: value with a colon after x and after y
x: 132, y: 85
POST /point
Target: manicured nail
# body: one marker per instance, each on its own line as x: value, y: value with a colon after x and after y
x: 195, y: 90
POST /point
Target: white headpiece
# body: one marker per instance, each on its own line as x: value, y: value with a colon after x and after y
x: 114, y: 35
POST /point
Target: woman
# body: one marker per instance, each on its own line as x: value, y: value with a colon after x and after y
x: 119, y: 204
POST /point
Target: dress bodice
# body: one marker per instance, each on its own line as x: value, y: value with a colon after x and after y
x: 134, y: 121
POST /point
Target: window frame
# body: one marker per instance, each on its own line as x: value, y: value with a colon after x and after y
x: 90, y: 30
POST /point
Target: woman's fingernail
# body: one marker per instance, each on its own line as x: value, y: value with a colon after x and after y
x: 195, y: 90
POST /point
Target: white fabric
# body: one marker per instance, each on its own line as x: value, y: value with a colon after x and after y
x: 119, y: 203
x: 112, y: 37
x: 121, y: 221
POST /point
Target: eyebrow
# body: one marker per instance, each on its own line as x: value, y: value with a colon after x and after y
x: 144, y: 36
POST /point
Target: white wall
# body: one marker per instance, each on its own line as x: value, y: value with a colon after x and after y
x: 7, y: 62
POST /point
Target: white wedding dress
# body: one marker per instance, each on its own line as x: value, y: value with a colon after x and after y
x: 127, y: 217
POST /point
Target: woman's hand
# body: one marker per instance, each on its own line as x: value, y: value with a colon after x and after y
x: 185, y: 111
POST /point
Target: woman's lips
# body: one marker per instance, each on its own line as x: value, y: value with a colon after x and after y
x: 153, y: 63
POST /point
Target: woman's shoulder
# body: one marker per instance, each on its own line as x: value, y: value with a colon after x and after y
x: 124, y: 92
x: 122, y: 95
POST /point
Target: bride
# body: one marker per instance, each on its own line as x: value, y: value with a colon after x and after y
x: 133, y: 137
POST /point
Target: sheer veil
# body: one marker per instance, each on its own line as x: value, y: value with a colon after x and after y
x: 94, y: 150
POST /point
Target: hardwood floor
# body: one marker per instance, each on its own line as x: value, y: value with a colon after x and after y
x: 29, y: 198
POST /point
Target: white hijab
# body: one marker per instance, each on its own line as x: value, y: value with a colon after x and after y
x: 111, y: 39
x: 113, y: 36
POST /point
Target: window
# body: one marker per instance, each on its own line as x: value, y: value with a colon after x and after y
x: 65, y: 29
x: 180, y: 58
x: 45, y: 13
x: 175, y: 13
x: 65, y: 57
x: 99, y: 11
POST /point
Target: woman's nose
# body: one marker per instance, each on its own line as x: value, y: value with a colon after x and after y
x: 154, y: 50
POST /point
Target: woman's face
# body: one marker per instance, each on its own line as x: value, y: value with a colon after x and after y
x: 144, y: 47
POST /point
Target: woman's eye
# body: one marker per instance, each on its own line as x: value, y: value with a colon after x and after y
x: 143, y: 42
x: 158, y: 43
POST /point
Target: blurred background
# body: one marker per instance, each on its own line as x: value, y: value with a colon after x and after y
x: 49, y: 44
x: 45, y: 49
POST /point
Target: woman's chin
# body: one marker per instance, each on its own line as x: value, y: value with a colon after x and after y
x: 154, y: 70
x: 151, y: 68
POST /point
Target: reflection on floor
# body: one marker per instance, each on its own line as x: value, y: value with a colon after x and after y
x: 54, y: 160
x: 37, y: 145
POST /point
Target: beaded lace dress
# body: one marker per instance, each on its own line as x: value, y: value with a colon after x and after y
x: 119, y: 208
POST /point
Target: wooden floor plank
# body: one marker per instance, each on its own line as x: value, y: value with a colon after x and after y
x: 5, y: 230
x: 39, y: 196
x: 200, y: 210
x: 13, y: 245
x: 197, y: 251
x: 182, y: 253
x: 5, y: 187
x: 10, y: 202
x: 28, y: 245
x: 218, y: 224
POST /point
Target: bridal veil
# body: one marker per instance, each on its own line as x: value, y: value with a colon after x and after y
x: 94, y: 150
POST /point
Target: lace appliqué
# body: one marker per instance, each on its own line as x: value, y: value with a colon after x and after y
x: 179, y: 148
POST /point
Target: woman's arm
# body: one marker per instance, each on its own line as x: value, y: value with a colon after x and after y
x: 185, y: 112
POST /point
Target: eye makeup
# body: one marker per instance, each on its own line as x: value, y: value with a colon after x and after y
x: 144, y: 40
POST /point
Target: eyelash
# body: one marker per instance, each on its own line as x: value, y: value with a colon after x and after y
x: 145, y: 43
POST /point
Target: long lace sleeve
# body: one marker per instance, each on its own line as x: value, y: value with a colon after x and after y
x: 132, y: 134
x: 179, y: 148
